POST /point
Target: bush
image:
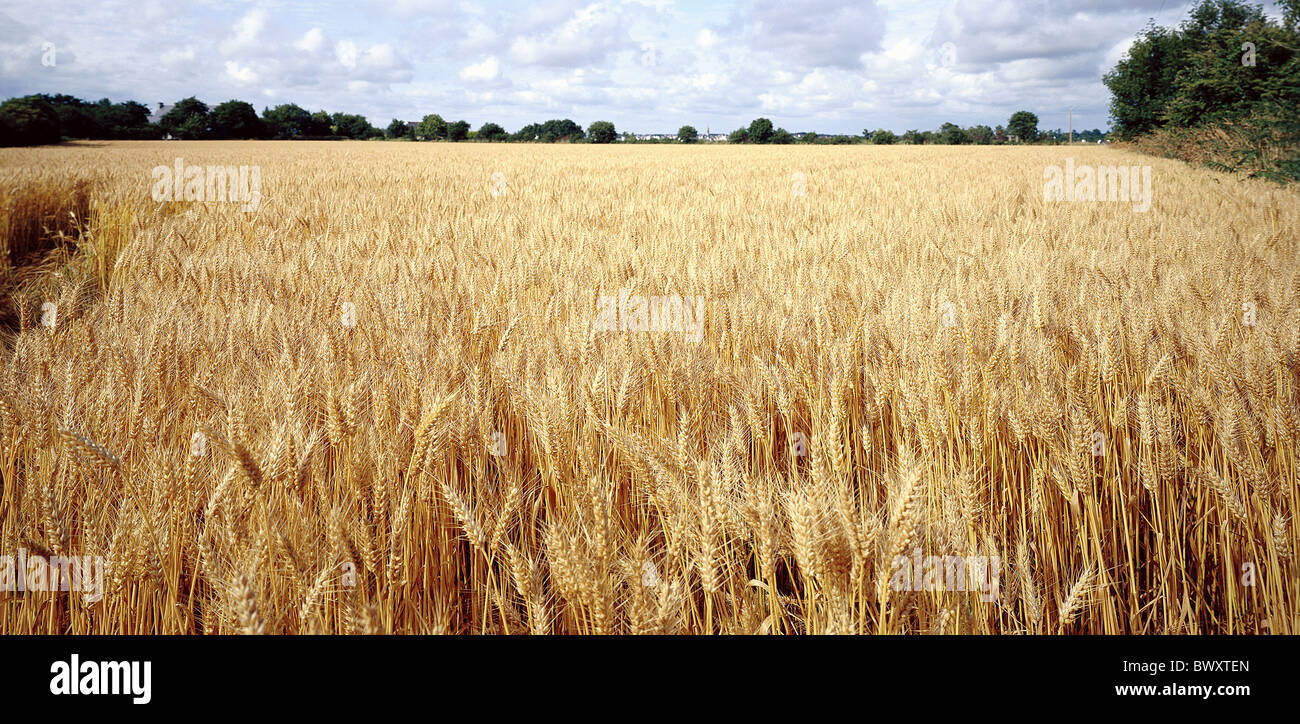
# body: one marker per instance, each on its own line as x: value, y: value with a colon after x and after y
x: 1265, y: 144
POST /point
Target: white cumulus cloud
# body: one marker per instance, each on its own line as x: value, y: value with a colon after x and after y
x: 487, y: 70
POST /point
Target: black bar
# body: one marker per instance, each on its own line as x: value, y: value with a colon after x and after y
x: 303, y: 674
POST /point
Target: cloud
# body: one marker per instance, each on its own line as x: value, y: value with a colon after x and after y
x: 410, y: 8
x: 825, y: 65
x: 812, y: 33
x: 346, y: 52
x: 244, y: 34
x: 240, y: 74
x: 311, y: 41
x: 487, y: 70
x: 479, y: 37
x: 587, y: 36
x: 177, y: 56
x: 25, y: 49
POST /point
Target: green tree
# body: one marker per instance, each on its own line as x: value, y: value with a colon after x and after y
x: 492, y: 132
x: 431, y: 128
x: 781, y: 136
x: 883, y: 137
x: 1215, y: 85
x: 982, y: 135
x: 127, y: 119
x: 601, y: 132
x: 1202, y: 71
x: 530, y: 132
x: 188, y: 119
x: 235, y: 119
x: 550, y: 131
x: 740, y: 135
x: 760, y: 131
x: 28, y: 121
x: 457, y: 130
x: 688, y: 134
x: 353, y: 126
x: 76, y: 117
x: 1144, y: 81
x: 1023, y: 125
x: 561, y: 130
x: 398, y: 129
x: 287, y: 121
x: 101, y: 119
x: 320, y: 125
x: 952, y: 135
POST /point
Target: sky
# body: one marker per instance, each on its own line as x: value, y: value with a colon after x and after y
x: 646, y: 65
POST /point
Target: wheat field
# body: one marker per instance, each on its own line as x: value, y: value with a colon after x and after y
x: 384, y: 402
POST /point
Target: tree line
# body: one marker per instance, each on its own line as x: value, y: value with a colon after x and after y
x: 1022, y: 127
x: 434, y: 128
x: 40, y: 119
x: 43, y: 119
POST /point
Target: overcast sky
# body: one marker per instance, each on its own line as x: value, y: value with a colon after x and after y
x: 646, y: 65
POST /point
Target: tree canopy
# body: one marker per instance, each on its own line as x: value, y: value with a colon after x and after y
x: 28, y: 121
x: 1227, y: 60
x: 235, y: 119
x: 601, y: 132
x: 492, y: 132
x: 188, y: 119
x: 1023, y: 125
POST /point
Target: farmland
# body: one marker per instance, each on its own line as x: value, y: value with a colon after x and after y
x: 473, y: 388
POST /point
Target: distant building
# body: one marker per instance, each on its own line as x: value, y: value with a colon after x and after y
x: 156, y: 115
x: 703, y: 137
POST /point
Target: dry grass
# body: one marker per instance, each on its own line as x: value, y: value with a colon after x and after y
x: 648, y: 483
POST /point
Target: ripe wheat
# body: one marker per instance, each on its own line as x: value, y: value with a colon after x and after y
x: 380, y: 403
